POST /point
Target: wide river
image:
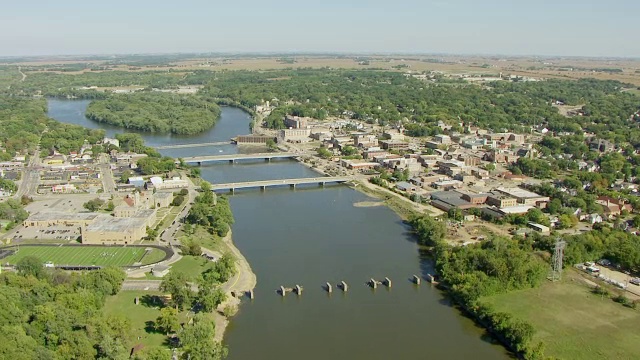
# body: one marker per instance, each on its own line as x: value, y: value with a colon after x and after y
x: 310, y: 236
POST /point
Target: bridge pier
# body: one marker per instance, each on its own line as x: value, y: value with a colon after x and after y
x: 232, y: 190
x: 263, y: 188
x: 416, y: 279
x: 282, y: 291
x: 387, y: 282
x: 267, y: 159
x: 231, y: 161
x: 329, y: 288
x: 343, y: 285
x: 321, y: 183
x: 373, y: 283
x: 250, y: 294
x: 298, y: 289
x: 293, y: 186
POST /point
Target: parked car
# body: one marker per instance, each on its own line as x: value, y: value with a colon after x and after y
x: 635, y: 281
x: 604, y: 262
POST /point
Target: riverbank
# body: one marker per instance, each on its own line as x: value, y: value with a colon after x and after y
x: 402, y: 206
x: 243, y: 281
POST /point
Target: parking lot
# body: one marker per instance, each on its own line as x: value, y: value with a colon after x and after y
x: 612, y: 276
x: 60, y: 233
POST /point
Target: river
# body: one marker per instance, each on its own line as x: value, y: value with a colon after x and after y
x: 310, y: 236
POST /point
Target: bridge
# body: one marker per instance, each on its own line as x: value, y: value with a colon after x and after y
x: 263, y: 184
x: 235, y: 157
x: 184, y: 146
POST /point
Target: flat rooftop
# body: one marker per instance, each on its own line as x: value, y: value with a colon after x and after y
x: 519, y: 192
x: 520, y: 209
x: 106, y: 223
x: 62, y: 216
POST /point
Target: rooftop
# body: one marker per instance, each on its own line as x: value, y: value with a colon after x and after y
x: 58, y: 215
x: 518, y: 192
x: 106, y: 223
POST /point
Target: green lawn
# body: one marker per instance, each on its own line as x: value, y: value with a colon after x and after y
x: 87, y: 255
x: 191, y: 265
x: 141, y: 316
x: 574, y: 323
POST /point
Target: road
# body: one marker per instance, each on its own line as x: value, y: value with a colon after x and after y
x: 30, y: 177
x: 168, y: 235
x: 108, y: 183
x: 24, y: 76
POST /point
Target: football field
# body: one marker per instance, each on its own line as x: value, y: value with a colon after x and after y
x: 87, y: 255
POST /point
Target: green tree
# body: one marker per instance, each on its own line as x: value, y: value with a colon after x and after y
x: 209, y: 297
x: 177, y: 284
x: 93, y: 205
x: 197, y: 341
x: 271, y: 145
x: 30, y: 266
x: 324, y: 153
x: 428, y: 230
x: 167, y: 322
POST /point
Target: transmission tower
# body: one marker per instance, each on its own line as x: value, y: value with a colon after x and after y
x: 556, y: 260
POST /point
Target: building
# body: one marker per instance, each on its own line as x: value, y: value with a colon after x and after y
x: 365, y: 140
x: 296, y: 122
x: 395, y: 145
x: 524, y: 197
x: 447, y: 200
x: 137, y: 181
x: 114, y: 231
x: 451, y: 167
x: 254, y: 139
x: 501, y: 200
x: 544, y: 230
x: 54, y: 218
x: 160, y: 270
x: 447, y: 184
x: 405, y: 186
x: 442, y: 139
x: 175, y: 183
x: 294, y: 135
x: 475, y: 199
x: 162, y: 199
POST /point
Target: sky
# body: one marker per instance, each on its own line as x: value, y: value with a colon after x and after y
x: 505, y: 27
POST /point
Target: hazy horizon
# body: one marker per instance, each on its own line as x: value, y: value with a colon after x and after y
x: 587, y: 28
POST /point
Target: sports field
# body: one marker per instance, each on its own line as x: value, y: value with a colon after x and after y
x: 87, y: 255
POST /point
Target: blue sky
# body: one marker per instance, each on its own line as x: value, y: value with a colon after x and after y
x: 509, y: 27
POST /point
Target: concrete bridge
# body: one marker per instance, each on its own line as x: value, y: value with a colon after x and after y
x: 235, y: 157
x: 184, y: 146
x: 263, y: 184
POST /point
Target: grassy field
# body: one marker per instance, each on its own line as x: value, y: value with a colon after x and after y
x: 141, y: 316
x: 87, y: 255
x: 574, y: 323
x: 191, y: 265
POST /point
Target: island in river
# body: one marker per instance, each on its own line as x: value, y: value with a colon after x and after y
x: 155, y: 112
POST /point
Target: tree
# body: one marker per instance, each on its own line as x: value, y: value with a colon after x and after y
x: 93, y: 205
x: 271, y: 145
x: 191, y: 247
x: 177, y: 284
x: 110, y: 206
x: 197, y: 341
x: 167, y: 322
x: 209, y: 297
x: 177, y: 200
x: 636, y: 221
x: 124, y: 178
x: 30, y: 266
x: 152, y: 233
x: 324, y: 153
x: 489, y: 167
x: 428, y: 230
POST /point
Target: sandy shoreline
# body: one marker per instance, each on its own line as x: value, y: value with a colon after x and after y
x: 244, y: 280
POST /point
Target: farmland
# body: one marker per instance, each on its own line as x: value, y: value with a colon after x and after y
x: 86, y: 255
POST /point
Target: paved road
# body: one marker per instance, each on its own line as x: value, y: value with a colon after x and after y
x: 108, y: 184
x: 30, y: 177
